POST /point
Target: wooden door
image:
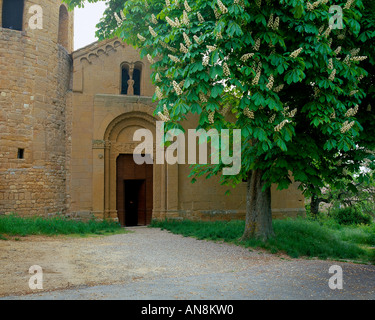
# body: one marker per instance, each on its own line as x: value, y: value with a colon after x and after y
x: 134, y: 192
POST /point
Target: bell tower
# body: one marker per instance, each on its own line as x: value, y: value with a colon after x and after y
x: 36, y: 42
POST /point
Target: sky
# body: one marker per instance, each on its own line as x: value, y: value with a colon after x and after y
x: 85, y: 20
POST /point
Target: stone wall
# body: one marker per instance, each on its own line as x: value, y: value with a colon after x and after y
x: 35, y: 75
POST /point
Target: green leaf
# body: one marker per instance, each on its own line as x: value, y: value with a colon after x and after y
x: 216, y: 90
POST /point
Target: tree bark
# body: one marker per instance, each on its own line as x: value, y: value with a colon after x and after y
x: 314, y: 205
x: 258, y: 209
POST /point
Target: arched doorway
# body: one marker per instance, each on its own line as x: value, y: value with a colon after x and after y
x: 125, y: 182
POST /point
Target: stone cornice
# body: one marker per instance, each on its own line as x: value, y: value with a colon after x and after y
x: 97, y: 49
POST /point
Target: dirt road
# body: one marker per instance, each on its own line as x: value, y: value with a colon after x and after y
x: 150, y: 258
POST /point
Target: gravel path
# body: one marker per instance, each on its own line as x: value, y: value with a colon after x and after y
x: 150, y: 264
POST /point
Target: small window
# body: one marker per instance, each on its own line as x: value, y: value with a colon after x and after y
x: 21, y: 154
x: 124, y: 80
x: 12, y: 16
x: 137, y: 81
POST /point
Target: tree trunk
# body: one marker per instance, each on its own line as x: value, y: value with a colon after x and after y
x: 258, y: 209
x: 314, y: 205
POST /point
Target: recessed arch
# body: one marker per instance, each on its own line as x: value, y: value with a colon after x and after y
x: 63, y: 32
x: 120, y: 166
x: 143, y: 119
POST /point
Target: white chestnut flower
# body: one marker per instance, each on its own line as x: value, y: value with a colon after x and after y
x: 166, y: 111
x: 352, y: 112
x: 150, y: 59
x: 347, y: 126
x: 152, y: 31
x: 183, y: 49
x: 249, y: 113
x: 140, y: 37
x: 276, y: 24
x: 272, y: 119
x: 211, y: 117
x: 163, y: 118
x: 256, y: 79
x: 217, y: 13
x: 256, y: 46
x: 170, y: 21
x: 280, y: 126
x: 187, y: 7
x: 309, y: 6
x: 226, y: 70
x: 187, y: 40
x: 359, y: 58
x: 119, y: 21
x: 333, y: 75
x: 158, y: 92
x: 200, y: 18
x: 348, y: 4
x: 211, y: 48
x: 177, y: 88
x: 270, y: 21
x: 279, y: 88
x: 222, y: 7
x: 246, y: 57
x: 327, y: 32
x: 185, y: 19
x: 338, y: 50
x: 270, y: 82
x: 330, y: 64
x: 293, y: 113
x: 153, y: 19
x: 202, y: 97
x: 205, y: 61
x: 296, y: 53
x: 174, y: 58
x: 347, y: 59
x: 355, y: 51
x: 157, y: 78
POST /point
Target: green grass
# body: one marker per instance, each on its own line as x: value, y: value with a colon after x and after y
x: 14, y: 225
x: 295, y: 237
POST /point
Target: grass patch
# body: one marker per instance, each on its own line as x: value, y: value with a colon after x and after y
x: 14, y: 225
x: 295, y: 237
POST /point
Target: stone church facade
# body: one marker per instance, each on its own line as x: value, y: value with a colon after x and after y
x: 67, y: 121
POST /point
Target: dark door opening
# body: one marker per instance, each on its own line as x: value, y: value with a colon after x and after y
x: 135, y: 202
x: 134, y: 192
